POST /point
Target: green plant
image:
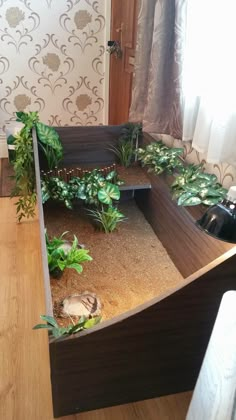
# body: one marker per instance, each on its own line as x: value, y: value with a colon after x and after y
x: 127, y: 144
x: 24, y: 175
x: 56, y: 189
x: 159, y: 158
x: 23, y: 161
x: 107, y: 218
x: 125, y: 151
x: 57, y: 331
x: 95, y: 188
x: 193, y: 187
x: 48, y: 139
x: 62, y: 254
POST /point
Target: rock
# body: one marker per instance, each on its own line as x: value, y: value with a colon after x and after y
x: 66, y: 247
x: 87, y: 304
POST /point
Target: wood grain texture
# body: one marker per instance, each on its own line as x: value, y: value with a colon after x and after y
x: 123, y: 29
x: 24, y: 360
x: 215, y: 392
x: 173, y: 407
x: 6, y: 184
x: 88, y: 145
x: 152, y: 351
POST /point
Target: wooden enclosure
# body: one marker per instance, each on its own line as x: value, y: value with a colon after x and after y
x: 157, y: 348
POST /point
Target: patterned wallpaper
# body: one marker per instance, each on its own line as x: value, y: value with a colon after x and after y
x: 225, y: 173
x: 53, y: 60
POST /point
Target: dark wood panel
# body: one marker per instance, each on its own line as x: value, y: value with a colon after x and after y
x: 6, y: 183
x: 88, y: 145
x: 155, y: 352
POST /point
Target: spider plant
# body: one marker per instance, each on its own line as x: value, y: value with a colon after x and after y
x: 107, y: 218
x: 61, y: 254
x: 125, y: 152
x: 127, y: 144
x: 57, y: 331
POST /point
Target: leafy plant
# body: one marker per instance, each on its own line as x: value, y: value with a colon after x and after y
x: 193, y: 187
x: 159, y: 158
x: 95, y: 188
x: 107, y: 219
x: 57, y: 331
x: 48, y: 139
x: 125, y: 151
x: 56, y: 189
x: 23, y: 161
x: 62, y: 255
x: 127, y: 144
x: 108, y: 192
x: 24, y: 175
x: 49, y: 142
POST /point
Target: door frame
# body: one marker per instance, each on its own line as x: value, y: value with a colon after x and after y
x: 107, y: 61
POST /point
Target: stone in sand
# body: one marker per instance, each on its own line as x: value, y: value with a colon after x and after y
x: 87, y: 304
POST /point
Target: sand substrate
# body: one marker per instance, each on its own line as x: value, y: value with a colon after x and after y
x: 129, y: 267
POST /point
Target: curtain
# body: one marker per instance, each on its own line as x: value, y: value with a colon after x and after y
x: 156, y: 96
x: 209, y: 79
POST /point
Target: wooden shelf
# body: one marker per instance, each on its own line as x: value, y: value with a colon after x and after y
x: 135, y: 178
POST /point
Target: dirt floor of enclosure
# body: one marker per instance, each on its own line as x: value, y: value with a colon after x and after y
x: 129, y: 267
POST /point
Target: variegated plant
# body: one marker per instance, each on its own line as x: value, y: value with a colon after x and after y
x: 158, y: 157
x: 193, y: 187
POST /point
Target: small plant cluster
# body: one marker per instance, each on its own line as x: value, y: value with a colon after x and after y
x: 159, y: 158
x: 193, y: 187
x: 23, y: 160
x: 57, y: 189
x: 94, y: 189
x: 126, y: 150
x: 63, y: 254
x: 56, y: 331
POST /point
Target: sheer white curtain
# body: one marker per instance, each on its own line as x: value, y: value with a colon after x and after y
x: 209, y: 79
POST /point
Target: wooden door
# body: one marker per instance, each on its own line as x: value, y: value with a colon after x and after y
x: 123, y: 29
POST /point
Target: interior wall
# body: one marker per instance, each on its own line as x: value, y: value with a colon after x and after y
x: 53, y: 60
x: 225, y: 173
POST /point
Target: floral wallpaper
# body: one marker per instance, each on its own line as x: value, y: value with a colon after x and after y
x: 53, y: 60
x: 225, y: 173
